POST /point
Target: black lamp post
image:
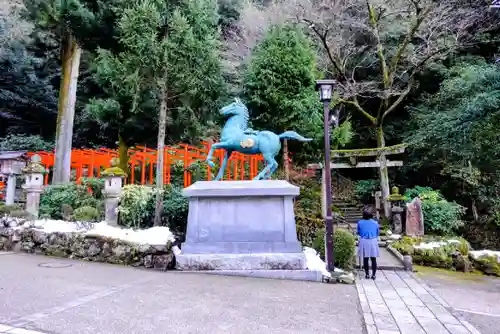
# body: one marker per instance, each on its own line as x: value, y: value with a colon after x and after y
x: 325, y: 88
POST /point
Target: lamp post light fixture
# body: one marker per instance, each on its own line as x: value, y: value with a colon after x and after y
x: 325, y: 88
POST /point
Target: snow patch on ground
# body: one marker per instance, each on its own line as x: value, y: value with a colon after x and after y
x: 435, y: 244
x: 485, y: 252
x: 159, y: 235
x: 315, y: 263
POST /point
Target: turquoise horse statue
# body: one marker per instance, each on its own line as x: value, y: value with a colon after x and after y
x: 236, y: 136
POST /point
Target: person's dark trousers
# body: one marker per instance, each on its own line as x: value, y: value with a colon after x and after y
x: 367, y: 268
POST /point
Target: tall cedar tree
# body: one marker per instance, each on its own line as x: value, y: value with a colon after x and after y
x: 76, y: 24
x: 168, y: 62
x: 279, y: 85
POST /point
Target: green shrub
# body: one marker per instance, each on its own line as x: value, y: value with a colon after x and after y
x: 61, y: 201
x: 364, y: 189
x: 86, y: 214
x: 138, y: 203
x: 56, y: 197
x: 7, y: 209
x: 135, y: 205
x: 308, y: 216
x: 440, y: 216
x: 96, y: 185
x: 175, y: 210
x: 22, y: 142
x: 344, y: 247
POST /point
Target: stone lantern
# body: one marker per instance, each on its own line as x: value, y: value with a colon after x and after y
x: 11, y: 164
x: 33, y: 184
x: 113, y: 181
x: 397, y: 210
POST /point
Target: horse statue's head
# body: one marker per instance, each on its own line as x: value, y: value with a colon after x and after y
x: 234, y: 109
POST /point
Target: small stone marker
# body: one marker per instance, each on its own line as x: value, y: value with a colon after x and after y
x: 414, y: 218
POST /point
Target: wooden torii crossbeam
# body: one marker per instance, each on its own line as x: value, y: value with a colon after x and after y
x: 381, y: 161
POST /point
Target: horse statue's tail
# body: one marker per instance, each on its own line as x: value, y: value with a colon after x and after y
x: 293, y: 135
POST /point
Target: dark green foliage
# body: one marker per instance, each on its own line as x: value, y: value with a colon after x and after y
x: 308, y: 211
x: 440, y: 216
x: 175, y: 49
x: 21, y: 142
x: 175, y: 210
x: 138, y: 203
x: 60, y: 201
x: 86, y: 214
x: 364, y: 189
x: 28, y: 97
x: 279, y: 86
x: 95, y: 184
x: 344, y: 247
x: 453, y: 135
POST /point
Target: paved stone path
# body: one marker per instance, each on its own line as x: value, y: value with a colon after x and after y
x: 399, y: 302
x: 386, y: 260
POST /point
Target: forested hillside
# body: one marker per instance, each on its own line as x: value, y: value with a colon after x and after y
x: 420, y: 72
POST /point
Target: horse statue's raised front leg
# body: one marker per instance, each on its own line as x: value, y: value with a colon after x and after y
x: 211, y: 152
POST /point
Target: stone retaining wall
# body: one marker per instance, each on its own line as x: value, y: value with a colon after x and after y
x: 23, y: 238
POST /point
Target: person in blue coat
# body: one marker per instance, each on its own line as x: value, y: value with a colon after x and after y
x: 368, y: 231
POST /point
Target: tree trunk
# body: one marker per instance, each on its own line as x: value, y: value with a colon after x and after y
x: 384, y: 174
x: 70, y: 59
x: 286, y: 163
x: 162, y: 122
x: 123, y: 154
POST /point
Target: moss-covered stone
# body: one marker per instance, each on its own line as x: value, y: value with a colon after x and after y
x: 488, y: 265
x: 113, y: 171
x: 450, y: 255
x: 370, y: 151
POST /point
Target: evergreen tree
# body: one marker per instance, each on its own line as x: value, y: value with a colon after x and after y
x: 75, y: 24
x: 168, y: 62
x: 27, y: 96
x: 454, y: 134
x: 280, y: 85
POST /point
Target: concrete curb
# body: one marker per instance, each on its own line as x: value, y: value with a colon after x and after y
x: 405, y: 260
x: 295, y: 275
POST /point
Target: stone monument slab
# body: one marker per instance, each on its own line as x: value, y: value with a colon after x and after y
x: 414, y: 218
x: 241, y: 225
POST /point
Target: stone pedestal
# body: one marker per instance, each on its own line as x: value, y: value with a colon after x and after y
x: 112, y: 192
x: 241, y: 225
